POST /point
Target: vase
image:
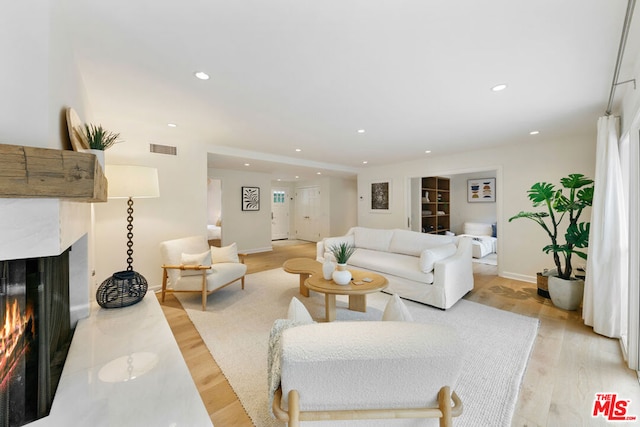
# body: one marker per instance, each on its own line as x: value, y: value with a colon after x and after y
x: 566, y: 294
x: 342, y: 276
x: 328, y: 268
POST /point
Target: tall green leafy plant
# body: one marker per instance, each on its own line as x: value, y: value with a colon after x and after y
x: 560, y: 205
x: 100, y: 138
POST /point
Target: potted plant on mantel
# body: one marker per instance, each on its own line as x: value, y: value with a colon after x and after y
x: 566, y: 291
x: 99, y: 139
x: 342, y: 253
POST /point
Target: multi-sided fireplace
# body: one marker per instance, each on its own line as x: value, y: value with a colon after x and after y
x: 35, y: 335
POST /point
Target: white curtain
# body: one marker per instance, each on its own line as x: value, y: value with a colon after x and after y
x: 606, y: 286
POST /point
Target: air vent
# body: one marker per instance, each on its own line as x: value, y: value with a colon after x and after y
x: 163, y: 149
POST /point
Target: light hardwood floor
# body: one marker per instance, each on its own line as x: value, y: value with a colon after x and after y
x: 568, y: 365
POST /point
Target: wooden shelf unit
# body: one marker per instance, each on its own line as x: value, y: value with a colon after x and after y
x: 435, y: 202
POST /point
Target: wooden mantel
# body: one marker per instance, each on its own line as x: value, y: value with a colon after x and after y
x: 33, y: 172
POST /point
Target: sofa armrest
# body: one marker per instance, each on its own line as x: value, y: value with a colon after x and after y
x: 324, y: 245
x: 455, y: 274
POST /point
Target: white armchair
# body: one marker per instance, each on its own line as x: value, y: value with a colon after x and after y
x: 190, y: 265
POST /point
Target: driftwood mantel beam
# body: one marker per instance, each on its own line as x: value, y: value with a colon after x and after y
x: 32, y: 172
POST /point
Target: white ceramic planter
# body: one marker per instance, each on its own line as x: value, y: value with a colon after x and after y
x: 342, y: 276
x: 566, y: 294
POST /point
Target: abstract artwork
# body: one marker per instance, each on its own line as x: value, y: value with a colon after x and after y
x: 250, y: 198
x: 481, y: 190
x: 380, y: 196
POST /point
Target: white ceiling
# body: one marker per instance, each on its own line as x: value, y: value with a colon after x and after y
x: 287, y: 74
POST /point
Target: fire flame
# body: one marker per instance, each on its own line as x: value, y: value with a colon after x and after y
x: 12, y: 331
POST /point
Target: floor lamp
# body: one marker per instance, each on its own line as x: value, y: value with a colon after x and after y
x: 127, y: 287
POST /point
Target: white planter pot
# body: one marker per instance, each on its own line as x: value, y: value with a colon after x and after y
x: 566, y: 294
x: 342, y: 276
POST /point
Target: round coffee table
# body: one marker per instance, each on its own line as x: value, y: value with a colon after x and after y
x: 357, y: 290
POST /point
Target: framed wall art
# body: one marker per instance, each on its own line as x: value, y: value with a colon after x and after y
x: 481, y: 190
x: 381, y: 197
x: 250, y: 198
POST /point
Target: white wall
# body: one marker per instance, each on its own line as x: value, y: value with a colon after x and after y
x: 251, y: 230
x: 214, y: 200
x: 517, y: 168
x: 461, y: 210
x: 343, y: 213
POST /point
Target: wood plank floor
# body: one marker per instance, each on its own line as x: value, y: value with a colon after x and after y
x: 568, y: 365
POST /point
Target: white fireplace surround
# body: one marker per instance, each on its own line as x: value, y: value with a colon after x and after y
x: 31, y: 228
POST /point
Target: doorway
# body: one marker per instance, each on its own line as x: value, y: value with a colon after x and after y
x: 279, y: 213
x: 307, y: 221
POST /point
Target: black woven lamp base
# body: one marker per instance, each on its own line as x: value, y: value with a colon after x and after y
x: 123, y: 289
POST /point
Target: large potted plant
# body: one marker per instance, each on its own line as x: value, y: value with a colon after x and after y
x: 566, y: 290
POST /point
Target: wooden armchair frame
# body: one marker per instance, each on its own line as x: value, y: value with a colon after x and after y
x: 203, y: 269
x: 444, y: 411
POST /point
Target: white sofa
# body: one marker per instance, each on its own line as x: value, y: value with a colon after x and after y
x: 433, y: 269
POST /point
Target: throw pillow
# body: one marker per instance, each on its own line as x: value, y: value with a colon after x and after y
x: 298, y: 312
x: 429, y: 257
x: 224, y: 254
x: 195, y: 259
x: 396, y: 310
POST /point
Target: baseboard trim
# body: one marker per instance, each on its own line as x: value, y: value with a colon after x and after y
x: 520, y: 277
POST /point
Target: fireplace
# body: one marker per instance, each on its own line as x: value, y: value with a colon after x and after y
x: 36, y: 333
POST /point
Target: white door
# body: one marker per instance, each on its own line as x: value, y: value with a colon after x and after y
x: 279, y: 214
x: 307, y: 219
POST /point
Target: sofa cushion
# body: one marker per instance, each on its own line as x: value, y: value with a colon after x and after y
x: 413, y: 243
x: 224, y: 254
x: 395, y: 310
x: 298, y: 312
x: 429, y: 257
x: 222, y: 274
x: 389, y: 263
x: 372, y: 238
x: 195, y: 259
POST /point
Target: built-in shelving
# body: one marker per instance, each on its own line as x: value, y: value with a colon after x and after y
x: 435, y: 204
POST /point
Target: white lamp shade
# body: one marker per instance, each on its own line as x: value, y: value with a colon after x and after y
x: 126, y: 181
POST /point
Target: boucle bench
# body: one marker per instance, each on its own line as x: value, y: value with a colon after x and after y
x: 380, y: 370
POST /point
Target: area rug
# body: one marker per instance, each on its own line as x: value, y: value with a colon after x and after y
x: 236, y: 327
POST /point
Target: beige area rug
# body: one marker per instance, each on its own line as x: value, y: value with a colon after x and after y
x: 236, y: 327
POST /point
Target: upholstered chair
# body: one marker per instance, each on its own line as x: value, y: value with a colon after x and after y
x: 190, y: 265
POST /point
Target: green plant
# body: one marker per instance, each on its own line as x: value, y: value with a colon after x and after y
x: 342, y: 252
x: 558, y: 207
x: 99, y: 138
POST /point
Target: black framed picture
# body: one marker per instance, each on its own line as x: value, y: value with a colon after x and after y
x: 381, y: 196
x: 250, y: 198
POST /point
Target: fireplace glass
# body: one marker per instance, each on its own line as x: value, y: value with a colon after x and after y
x: 35, y: 335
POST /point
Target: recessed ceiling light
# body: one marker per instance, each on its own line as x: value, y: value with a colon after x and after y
x: 364, y: 162
x: 360, y: 130
x: 172, y: 125
x: 247, y: 164
x: 201, y: 75
x: 318, y: 173
x: 298, y: 150
x: 427, y: 151
x: 297, y: 177
x: 278, y: 180
x: 534, y: 132
x: 498, y: 88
